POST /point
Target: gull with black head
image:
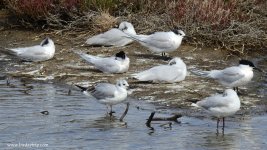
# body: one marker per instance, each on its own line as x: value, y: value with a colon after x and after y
x: 42, y: 52
x: 119, y: 63
x: 160, y: 42
x: 231, y: 77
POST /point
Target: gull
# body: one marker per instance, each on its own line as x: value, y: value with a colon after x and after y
x: 119, y: 63
x: 160, y: 42
x: 220, y: 105
x: 231, y: 77
x: 107, y: 93
x: 42, y: 52
x: 174, y: 71
x: 113, y: 37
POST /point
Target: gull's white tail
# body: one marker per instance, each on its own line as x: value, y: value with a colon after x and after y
x: 94, y: 40
x: 201, y: 73
x: 142, y: 76
x: 139, y: 38
x: 8, y: 51
x: 195, y: 105
x: 88, y: 58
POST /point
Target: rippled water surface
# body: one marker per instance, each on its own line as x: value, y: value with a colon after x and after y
x: 75, y: 122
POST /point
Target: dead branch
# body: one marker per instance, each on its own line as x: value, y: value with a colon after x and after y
x: 125, y: 112
x: 172, y: 118
x: 148, y: 123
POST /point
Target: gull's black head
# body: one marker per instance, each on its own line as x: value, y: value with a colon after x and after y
x: 45, y: 42
x: 175, y: 31
x: 121, y: 55
x: 178, y: 32
x: 246, y: 62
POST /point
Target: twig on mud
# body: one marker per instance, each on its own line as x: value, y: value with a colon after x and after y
x: 148, y: 123
x: 172, y: 118
x: 125, y: 112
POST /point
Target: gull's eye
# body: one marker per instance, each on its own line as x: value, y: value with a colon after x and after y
x: 124, y: 84
x: 125, y: 28
x: 172, y: 63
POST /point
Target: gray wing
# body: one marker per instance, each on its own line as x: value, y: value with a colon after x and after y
x: 160, y: 73
x: 165, y: 73
x: 108, y: 64
x: 108, y: 38
x: 30, y: 53
x: 213, y: 101
x: 103, y: 90
x: 25, y: 51
x: 231, y: 74
x: 159, y: 39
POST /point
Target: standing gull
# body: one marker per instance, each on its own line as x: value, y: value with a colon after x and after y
x: 221, y: 105
x: 108, y: 94
x: 231, y: 77
x: 160, y: 42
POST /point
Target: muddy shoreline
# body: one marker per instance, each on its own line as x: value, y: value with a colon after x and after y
x: 66, y: 68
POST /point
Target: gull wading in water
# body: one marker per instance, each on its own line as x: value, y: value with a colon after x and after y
x: 231, y: 77
x: 108, y: 94
x: 220, y: 105
x: 42, y: 52
x: 113, y: 37
x: 174, y: 71
x: 160, y: 42
x: 119, y: 63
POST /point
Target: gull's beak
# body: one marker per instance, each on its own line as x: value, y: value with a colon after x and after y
x: 186, y: 37
x: 128, y: 87
x: 130, y: 90
x: 258, y: 69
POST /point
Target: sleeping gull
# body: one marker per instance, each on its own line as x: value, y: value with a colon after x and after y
x: 42, y: 52
x: 174, y: 71
x: 113, y: 37
x: 119, y: 63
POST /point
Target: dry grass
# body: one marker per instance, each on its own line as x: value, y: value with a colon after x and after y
x: 235, y: 25
x: 103, y: 22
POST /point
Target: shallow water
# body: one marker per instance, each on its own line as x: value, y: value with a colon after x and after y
x: 75, y: 122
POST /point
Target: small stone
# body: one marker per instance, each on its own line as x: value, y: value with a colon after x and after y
x: 44, y: 112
